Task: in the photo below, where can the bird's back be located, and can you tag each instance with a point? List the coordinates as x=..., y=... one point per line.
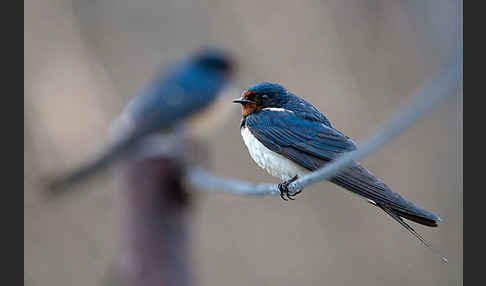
x=181, y=90
x=304, y=109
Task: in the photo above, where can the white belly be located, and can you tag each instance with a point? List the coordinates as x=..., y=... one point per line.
x=275, y=164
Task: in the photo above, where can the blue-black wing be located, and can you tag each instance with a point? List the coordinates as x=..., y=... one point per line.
x=312, y=144
x=305, y=110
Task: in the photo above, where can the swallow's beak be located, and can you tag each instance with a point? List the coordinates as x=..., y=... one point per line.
x=243, y=100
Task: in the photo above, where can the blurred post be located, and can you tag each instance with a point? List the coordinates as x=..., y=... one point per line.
x=153, y=248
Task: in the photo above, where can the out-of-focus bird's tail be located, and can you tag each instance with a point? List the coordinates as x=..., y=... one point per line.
x=61, y=183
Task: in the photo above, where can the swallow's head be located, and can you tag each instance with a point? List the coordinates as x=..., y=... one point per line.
x=214, y=61
x=262, y=95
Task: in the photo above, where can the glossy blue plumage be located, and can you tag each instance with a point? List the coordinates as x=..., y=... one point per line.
x=286, y=129
x=293, y=128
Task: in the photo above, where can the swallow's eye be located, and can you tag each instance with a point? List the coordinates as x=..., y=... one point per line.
x=265, y=96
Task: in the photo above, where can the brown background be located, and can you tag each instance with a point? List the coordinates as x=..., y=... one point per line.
x=356, y=61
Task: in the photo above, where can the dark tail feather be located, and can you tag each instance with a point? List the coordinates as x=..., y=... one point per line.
x=417, y=219
x=359, y=180
x=396, y=216
x=60, y=184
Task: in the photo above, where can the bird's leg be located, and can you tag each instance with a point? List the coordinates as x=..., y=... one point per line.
x=296, y=193
x=283, y=188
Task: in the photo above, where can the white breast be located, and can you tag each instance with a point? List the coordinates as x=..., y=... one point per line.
x=275, y=164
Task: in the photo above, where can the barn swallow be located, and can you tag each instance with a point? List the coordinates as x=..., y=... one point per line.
x=182, y=89
x=288, y=137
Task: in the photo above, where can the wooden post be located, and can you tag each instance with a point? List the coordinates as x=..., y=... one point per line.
x=153, y=248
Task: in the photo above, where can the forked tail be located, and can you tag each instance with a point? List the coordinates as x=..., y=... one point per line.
x=396, y=216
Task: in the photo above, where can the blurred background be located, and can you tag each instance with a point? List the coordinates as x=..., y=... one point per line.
x=356, y=61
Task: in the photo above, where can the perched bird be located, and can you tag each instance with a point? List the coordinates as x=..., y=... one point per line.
x=288, y=137
x=182, y=89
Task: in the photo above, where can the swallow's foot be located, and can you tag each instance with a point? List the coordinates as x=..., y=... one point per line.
x=284, y=189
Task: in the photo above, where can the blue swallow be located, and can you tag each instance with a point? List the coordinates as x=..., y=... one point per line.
x=184, y=88
x=288, y=137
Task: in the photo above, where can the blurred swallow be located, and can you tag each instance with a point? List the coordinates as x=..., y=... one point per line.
x=288, y=137
x=182, y=89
